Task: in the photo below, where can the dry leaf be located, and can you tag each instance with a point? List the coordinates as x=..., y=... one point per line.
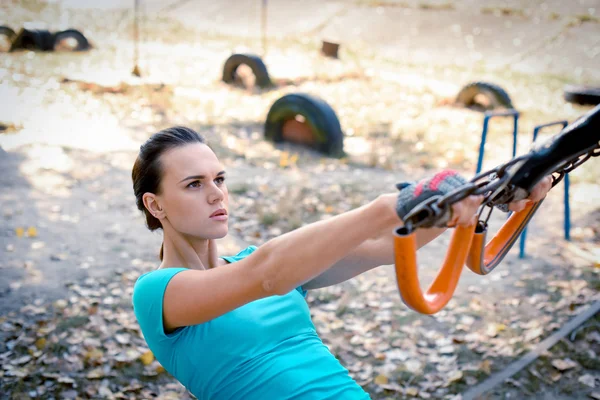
x=454, y=377
x=486, y=366
x=563, y=365
x=412, y=391
x=31, y=231
x=555, y=376
x=40, y=343
x=381, y=380
x=587, y=380
x=19, y=231
x=147, y=358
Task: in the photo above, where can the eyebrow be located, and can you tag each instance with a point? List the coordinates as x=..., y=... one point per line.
x=200, y=177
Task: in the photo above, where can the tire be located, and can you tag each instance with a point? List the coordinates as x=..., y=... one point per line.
x=254, y=62
x=33, y=39
x=82, y=42
x=319, y=117
x=584, y=95
x=495, y=95
x=8, y=32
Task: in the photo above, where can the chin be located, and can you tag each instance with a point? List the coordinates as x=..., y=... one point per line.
x=219, y=234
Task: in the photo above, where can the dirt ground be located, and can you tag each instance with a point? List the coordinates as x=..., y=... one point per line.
x=72, y=242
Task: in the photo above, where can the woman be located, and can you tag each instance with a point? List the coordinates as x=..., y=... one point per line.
x=239, y=327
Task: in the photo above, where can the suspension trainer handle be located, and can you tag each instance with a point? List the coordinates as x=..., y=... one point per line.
x=512, y=181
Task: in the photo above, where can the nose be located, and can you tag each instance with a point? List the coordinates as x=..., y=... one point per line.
x=215, y=195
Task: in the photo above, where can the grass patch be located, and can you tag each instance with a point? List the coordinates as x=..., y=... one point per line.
x=438, y=6
x=503, y=11
x=580, y=19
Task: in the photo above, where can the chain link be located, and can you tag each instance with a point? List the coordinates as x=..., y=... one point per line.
x=493, y=184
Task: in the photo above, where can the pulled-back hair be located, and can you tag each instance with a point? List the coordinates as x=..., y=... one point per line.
x=147, y=170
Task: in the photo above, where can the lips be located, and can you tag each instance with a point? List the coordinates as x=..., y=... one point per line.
x=219, y=213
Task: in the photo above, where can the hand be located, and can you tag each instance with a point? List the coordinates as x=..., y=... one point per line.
x=538, y=192
x=463, y=213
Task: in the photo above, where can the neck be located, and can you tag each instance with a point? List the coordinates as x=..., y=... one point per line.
x=206, y=251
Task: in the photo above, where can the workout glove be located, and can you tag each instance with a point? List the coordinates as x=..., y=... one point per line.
x=414, y=193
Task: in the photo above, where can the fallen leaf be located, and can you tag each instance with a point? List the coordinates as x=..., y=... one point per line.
x=40, y=343
x=31, y=231
x=587, y=380
x=96, y=373
x=454, y=377
x=412, y=391
x=555, y=376
x=381, y=380
x=486, y=366
x=19, y=231
x=147, y=358
x=563, y=365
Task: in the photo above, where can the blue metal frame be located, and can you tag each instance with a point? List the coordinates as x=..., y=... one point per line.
x=489, y=115
x=515, y=114
x=567, y=219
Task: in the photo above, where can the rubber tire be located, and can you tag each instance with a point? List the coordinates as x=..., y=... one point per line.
x=497, y=96
x=82, y=42
x=41, y=39
x=254, y=62
x=5, y=30
x=319, y=116
x=584, y=95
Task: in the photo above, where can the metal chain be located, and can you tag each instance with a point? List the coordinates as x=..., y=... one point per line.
x=491, y=184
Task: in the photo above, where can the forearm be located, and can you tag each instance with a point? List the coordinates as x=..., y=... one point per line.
x=368, y=255
x=381, y=250
x=294, y=258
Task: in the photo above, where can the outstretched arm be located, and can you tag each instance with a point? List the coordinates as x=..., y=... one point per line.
x=378, y=251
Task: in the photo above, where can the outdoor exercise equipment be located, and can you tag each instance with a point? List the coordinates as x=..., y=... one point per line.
x=255, y=63
x=44, y=40
x=580, y=94
x=515, y=115
x=512, y=181
x=8, y=32
x=305, y=119
x=484, y=94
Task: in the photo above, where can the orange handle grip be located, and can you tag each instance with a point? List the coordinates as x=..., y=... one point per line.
x=441, y=290
x=483, y=258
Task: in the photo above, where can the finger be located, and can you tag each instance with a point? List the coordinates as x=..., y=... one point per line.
x=517, y=206
x=465, y=211
x=540, y=190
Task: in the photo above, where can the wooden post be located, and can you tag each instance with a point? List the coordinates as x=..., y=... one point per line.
x=136, y=38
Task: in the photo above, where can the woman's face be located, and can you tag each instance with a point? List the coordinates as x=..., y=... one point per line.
x=193, y=191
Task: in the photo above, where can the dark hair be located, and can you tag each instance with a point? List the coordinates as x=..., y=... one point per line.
x=147, y=172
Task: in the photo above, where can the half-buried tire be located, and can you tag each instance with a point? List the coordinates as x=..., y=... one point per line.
x=584, y=95
x=6, y=37
x=305, y=119
x=484, y=95
x=71, y=39
x=33, y=39
x=259, y=69
x=8, y=32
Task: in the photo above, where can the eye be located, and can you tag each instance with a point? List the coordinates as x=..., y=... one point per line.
x=220, y=180
x=194, y=184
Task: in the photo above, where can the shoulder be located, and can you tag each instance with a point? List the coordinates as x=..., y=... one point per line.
x=152, y=285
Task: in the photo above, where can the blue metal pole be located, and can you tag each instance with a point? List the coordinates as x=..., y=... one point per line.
x=567, y=210
x=482, y=144
x=567, y=221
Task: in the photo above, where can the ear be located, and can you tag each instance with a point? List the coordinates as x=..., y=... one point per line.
x=151, y=202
